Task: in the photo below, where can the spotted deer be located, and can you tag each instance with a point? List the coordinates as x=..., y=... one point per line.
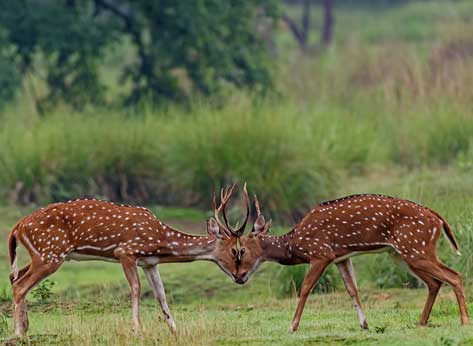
x=334, y=231
x=132, y=236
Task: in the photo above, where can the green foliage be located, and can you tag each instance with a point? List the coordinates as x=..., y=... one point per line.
x=63, y=41
x=9, y=81
x=167, y=159
x=387, y=272
x=10, y=78
x=42, y=293
x=3, y=325
x=292, y=156
x=288, y=280
x=253, y=144
x=177, y=49
x=5, y=293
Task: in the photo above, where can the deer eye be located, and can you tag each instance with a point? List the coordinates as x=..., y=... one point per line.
x=234, y=252
x=242, y=251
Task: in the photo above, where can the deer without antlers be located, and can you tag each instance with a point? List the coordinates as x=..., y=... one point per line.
x=133, y=236
x=334, y=231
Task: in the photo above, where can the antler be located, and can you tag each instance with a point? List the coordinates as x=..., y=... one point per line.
x=258, y=210
x=239, y=232
x=224, y=198
x=265, y=227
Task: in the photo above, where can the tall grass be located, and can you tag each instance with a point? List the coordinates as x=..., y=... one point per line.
x=292, y=155
x=165, y=158
x=367, y=102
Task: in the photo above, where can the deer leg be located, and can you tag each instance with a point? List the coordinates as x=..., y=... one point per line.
x=21, y=272
x=313, y=275
x=348, y=274
x=453, y=278
x=131, y=273
x=441, y=272
x=154, y=280
x=433, y=285
x=35, y=272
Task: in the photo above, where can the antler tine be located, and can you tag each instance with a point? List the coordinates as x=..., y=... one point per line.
x=241, y=229
x=258, y=210
x=226, y=197
x=228, y=193
x=216, y=212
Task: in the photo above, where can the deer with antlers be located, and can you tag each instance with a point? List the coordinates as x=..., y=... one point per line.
x=334, y=231
x=132, y=236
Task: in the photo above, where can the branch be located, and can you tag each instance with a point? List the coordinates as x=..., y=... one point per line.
x=295, y=30
x=125, y=16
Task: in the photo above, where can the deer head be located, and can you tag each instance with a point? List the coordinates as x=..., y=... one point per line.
x=251, y=247
x=226, y=253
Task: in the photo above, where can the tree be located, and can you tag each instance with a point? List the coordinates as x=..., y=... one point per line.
x=178, y=48
x=301, y=33
x=329, y=20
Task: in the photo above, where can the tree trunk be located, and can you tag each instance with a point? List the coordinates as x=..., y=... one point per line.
x=305, y=23
x=329, y=21
x=301, y=33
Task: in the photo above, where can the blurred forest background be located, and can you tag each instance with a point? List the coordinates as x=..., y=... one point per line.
x=162, y=102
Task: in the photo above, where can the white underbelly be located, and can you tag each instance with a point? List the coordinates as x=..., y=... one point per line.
x=356, y=253
x=75, y=256
x=148, y=261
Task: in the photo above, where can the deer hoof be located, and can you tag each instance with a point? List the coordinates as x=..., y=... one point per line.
x=172, y=327
x=292, y=329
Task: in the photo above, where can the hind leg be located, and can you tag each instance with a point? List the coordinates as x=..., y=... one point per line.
x=440, y=272
x=36, y=272
x=433, y=285
x=21, y=272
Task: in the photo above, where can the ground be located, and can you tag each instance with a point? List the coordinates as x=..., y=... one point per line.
x=90, y=303
x=210, y=310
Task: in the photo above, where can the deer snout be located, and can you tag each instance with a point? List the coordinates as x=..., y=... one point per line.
x=241, y=278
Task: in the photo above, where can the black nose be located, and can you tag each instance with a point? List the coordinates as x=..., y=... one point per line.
x=238, y=279
x=243, y=274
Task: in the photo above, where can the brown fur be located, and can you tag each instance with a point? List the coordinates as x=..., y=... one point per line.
x=335, y=230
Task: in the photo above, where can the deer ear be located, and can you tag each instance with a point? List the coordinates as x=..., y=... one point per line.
x=213, y=229
x=266, y=227
x=259, y=224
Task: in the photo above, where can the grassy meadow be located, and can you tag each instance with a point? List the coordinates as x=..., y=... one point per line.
x=90, y=303
x=386, y=109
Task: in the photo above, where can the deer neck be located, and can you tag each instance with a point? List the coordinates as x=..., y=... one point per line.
x=277, y=249
x=183, y=247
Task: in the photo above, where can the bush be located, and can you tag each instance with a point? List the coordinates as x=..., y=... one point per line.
x=42, y=292
x=288, y=280
x=268, y=147
x=291, y=155
x=168, y=158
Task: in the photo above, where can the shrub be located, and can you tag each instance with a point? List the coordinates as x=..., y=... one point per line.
x=42, y=292
x=288, y=280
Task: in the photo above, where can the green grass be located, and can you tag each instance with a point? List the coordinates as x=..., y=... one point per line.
x=386, y=109
x=90, y=305
x=328, y=320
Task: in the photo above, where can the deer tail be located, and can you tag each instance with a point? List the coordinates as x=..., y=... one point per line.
x=447, y=230
x=12, y=244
